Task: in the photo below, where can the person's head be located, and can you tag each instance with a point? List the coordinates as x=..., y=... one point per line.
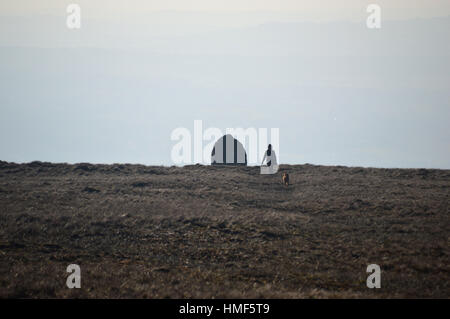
x=269, y=149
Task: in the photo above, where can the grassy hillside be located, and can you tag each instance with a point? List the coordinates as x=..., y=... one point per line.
x=201, y=231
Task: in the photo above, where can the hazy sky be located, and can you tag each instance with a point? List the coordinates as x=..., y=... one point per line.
x=318, y=9
x=114, y=90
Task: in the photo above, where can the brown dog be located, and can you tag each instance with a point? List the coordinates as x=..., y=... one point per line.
x=285, y=179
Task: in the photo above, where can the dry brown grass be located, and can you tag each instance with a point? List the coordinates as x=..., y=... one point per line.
x=201, y=231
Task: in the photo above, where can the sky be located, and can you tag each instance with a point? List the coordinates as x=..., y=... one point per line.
x=114, y=90
x=319, y=9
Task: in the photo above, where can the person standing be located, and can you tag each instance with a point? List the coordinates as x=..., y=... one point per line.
x=271, y=160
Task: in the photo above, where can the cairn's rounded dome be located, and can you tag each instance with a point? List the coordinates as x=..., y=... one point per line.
x=228, y=151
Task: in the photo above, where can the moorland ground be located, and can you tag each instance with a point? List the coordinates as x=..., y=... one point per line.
x=203, y=231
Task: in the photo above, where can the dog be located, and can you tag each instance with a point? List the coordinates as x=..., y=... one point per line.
x=285, y=179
